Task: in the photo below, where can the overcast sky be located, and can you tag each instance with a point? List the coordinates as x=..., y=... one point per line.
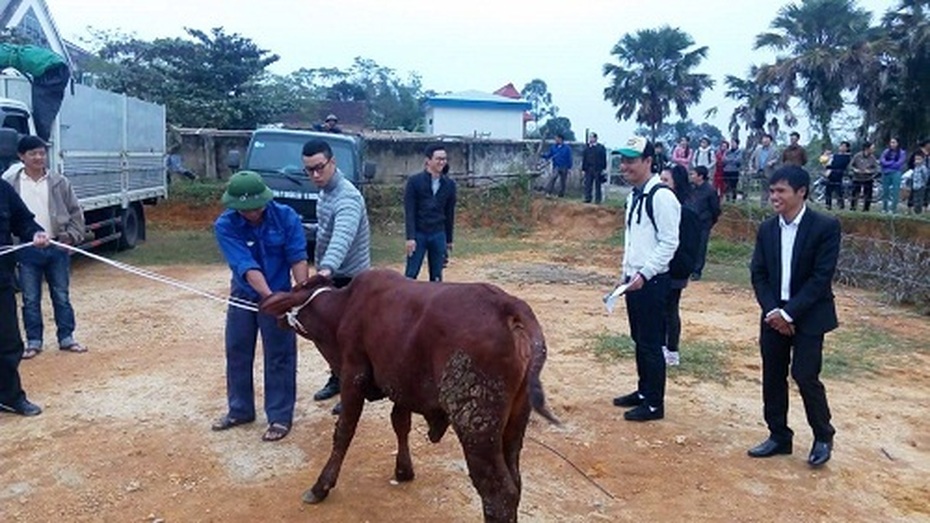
x=457, y=46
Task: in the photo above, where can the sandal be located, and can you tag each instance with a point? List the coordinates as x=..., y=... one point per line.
x=74, y=347
x=276, y=432
x=28, y=354
x=227, y=422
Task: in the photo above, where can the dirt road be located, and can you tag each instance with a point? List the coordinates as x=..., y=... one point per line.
x=125, y=434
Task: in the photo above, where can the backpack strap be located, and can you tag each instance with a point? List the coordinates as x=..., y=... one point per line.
x=650, y=211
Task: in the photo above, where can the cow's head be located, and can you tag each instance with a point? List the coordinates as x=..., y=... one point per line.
x=278, y=304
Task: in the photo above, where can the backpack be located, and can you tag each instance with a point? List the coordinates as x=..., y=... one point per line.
x=689, y=237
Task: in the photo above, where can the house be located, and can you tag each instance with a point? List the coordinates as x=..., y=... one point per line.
x=30, y=19
x=476, y=114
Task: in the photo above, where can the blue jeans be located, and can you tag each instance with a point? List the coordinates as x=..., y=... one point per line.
x=279, y=348
x=891, y=191
x=432, y=244
x=54, y=266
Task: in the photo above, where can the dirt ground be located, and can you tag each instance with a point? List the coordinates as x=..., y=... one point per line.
x=125, y=433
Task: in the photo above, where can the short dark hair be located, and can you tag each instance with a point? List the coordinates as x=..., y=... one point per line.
x=925, y=142
x=592, y=133
x=560, y=135
x=658, y=144
x=796, y=177
x=29, y=142
x=767, y=135
x=866, y=144
x=795, y=133
x=847, y=144
x=432, y=148
x=316, y=147
x=701, y=170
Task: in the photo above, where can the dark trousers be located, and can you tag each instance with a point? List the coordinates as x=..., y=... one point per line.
x=673, y=320
x=702, y=248
x=864, y=188
x=805, y=364
x=592, y=179
x=279, y=349
x=561, y=175
x=430, y=244
x=11, y=349
x=730, y=181
x=837, y=189
x=647, y=328
x=48, y=90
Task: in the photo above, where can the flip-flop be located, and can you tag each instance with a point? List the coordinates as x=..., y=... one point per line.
x=276, y=432
x=226, y=422
x=28, y=354
x=74, y=347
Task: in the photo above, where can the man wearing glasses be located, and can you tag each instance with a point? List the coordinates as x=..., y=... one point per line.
x=343, y=238
x=429, y=214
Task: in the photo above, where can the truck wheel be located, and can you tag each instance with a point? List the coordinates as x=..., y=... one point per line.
x=130, y=228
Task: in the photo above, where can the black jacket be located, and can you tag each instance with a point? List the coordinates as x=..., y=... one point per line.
x=428, y=213
x=15, y=218
x=706, y=204
x=813, y=264
x=594, y=159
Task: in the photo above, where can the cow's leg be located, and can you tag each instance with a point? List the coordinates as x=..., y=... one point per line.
x=513, y=436
x=352, y=403
x=400, y=419
x=491, y=477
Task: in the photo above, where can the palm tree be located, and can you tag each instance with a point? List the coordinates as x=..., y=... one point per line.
x=826, y=42
x=654, y=71
x=757, y=99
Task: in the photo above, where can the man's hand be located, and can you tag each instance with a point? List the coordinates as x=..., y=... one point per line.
x=410, y=246
x=326, y=273
x=636, y=283
x=40, y=239
x=775, y=320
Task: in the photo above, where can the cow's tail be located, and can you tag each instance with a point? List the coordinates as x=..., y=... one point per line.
x=532, y=335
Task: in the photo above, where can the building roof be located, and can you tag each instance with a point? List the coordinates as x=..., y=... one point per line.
x=509, y=91
x=477, y=99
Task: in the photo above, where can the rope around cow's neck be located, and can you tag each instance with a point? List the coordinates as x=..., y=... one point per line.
x=231, y=300
x=291, y=315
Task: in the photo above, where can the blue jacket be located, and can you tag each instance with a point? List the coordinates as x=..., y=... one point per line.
x=272, y=247
x=560, y=154
x=426, y=212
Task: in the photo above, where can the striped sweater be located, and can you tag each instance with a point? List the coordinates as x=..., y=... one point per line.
x=343, y=238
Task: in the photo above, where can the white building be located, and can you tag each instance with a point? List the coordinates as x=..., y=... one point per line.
x=476, y=114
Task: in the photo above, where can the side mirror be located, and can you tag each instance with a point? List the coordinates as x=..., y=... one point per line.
x=9, y=140
x=233, y=159
x=369, y=171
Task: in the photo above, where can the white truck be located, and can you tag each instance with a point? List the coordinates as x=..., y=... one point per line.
x=110, y=146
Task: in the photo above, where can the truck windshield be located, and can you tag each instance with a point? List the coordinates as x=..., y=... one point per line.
x=282, y=154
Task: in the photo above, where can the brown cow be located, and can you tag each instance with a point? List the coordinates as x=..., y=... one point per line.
x=465, y=354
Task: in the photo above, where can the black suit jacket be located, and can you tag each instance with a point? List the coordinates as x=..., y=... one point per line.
x=813, y=264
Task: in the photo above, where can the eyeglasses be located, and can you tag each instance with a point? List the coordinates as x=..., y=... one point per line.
x=317, y=168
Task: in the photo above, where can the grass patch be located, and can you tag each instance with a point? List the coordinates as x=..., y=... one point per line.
x=197, y=192
x=852, y=352
x=170, y=247
x=702, y=360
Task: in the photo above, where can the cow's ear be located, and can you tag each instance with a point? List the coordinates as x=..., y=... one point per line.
x=276, y=303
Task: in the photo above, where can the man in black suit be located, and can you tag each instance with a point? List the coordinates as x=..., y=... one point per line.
x=429, y=214
x=792, y=272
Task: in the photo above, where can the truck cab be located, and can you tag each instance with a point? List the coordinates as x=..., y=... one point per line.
x=276, y=155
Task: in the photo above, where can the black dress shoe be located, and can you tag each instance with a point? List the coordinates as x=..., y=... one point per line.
x=820, y=453
x=644, y=413
x=769, y=448
x=633, y=399
x=22, y=407
x=330, y=390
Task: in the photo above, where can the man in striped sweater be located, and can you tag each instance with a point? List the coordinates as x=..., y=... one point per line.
x=343, y=238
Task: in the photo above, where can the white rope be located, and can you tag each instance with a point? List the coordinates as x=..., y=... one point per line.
x=8, y=249
x=291, y=315
x=231, y=300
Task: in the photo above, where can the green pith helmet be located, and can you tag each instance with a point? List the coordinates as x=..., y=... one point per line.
x=246, y=192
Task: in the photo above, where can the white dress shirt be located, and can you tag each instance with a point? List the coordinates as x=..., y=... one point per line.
x=789, y=233
x=35, y=195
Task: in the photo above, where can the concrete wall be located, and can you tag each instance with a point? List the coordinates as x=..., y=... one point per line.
x=473, y=161
x=488, y=123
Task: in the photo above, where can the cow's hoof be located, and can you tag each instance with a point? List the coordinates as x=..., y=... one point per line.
x=312, y=498
x=403, y=475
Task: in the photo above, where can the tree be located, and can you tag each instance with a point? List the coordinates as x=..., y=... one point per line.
x=536, y=92
x=654, y=71
x=827, y=45
x=669, y=133
x=557, y=125
x=210, y=79
x=757, y=99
